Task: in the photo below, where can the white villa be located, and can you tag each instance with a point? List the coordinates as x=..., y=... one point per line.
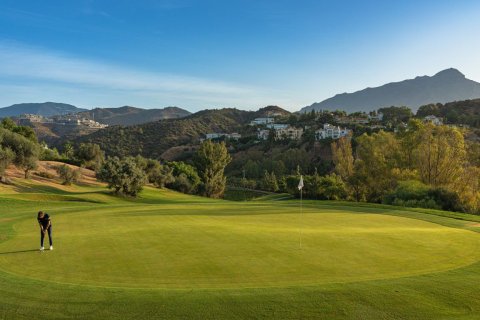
x=376, y=116
x=277, y=126
x=289, y=133
x=233, y=136
x=263, y=134
x=214, y=135
x=433, y=119
x=332, y=132
x=260, y=121
x=283, y=132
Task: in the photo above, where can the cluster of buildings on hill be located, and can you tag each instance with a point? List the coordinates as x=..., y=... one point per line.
x=361, y=119
x=66, y=120
x=267, y=126
x=327, y=132
x=284, y=131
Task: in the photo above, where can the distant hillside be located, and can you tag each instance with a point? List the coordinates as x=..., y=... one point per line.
x=46, y=109
x=271, y=111
x=458, y=112
x=153, y=138
x=51, y=133
x=131, y=116
x=446, y=86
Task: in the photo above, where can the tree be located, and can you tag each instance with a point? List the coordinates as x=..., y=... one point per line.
x=68, y=175
x=153, y=169
x=29, y=164
x=410, y=140
x=356, y=182
x=68, y=150
x=183, y=184
x=349, y=169
x=331, y=187
x=380, y=154
x=26, y=151
x=429, y=109
x=48, y=154
x=90, y=155
x=252, y=169
x=343, y=157
x=8, y=124
x=295, y=159
x=440, y=156
x=160, y=176
x=24, y=131
x=270, y=182
x=468, y=189
x=211, y=160
x=27, y=132
x=182, y=169
x=6, y=158
x=395, y=115
x=124, y=176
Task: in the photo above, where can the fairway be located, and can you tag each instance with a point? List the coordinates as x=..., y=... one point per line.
x=167, y=242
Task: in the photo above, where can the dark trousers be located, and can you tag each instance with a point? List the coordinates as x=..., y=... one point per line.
x=42, y=236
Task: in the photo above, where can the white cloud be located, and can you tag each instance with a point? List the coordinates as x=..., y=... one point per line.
x=31, y=67
x=35, y=64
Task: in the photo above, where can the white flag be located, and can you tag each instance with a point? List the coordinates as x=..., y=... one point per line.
x=300, y=184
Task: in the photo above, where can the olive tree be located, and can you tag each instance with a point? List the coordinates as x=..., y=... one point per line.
x=26, y=151
x=68, y=175
x=90, y=155
x=123, y=176
x=6, y=158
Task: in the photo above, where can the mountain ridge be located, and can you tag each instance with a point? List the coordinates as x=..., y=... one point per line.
x=128, y=115
x=46, y=109
x=445, y=86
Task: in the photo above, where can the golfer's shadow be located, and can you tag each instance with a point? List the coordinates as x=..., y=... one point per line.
x=19, y=251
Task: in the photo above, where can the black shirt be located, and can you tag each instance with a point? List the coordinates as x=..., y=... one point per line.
x=44, y=221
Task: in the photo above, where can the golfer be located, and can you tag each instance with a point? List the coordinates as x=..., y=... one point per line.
x=45, y=226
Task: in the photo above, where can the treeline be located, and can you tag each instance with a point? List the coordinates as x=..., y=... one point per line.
x=317, y=187
x=458, y=112
x=423, y=165
x=129, y=175
x=420, y=166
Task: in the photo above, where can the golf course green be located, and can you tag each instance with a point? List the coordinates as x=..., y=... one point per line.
x=169, y=255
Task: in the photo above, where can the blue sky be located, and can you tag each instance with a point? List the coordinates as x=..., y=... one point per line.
x=213, y=54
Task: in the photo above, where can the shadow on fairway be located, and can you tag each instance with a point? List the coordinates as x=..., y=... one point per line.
x=20, y=251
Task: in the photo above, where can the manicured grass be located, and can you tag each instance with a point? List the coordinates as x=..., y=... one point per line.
x=168, y=255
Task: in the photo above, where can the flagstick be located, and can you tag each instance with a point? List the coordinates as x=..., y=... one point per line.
x=301, y=216
x=300, y=188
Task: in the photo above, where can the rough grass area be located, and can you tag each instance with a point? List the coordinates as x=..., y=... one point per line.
x=169, y=255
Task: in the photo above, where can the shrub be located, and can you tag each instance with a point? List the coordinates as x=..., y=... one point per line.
x=407, y=190
x=50, y=154
x=90, y=155
x=446, y=199
x=68, y=175
x=44, y=174
x=160, y=176
x=182, y=184
x=415, y=194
